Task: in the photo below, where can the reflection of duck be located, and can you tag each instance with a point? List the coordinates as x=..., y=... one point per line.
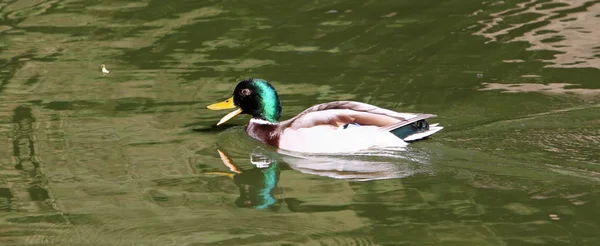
x=341, y=126
x=356, y=168
x=255, y=185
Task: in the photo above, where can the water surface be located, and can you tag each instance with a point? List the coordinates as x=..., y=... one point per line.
x=131, y=158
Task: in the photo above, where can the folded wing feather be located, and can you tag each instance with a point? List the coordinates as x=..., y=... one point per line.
x=338, y=113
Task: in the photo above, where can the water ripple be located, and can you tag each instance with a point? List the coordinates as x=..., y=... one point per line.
x=568, y=28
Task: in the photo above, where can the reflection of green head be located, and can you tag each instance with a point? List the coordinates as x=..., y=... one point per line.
x=256, y=186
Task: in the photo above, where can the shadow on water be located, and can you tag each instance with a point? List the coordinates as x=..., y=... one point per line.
x=31, y=188
x=211, y=128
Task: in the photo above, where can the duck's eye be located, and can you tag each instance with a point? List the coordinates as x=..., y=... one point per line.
x=246, y=92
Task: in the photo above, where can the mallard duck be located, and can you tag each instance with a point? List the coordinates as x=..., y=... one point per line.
x=333, y=127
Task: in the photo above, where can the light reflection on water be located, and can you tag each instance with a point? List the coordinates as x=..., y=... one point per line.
x=558, y=26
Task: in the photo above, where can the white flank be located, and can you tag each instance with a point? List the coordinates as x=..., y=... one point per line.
x=324, y=139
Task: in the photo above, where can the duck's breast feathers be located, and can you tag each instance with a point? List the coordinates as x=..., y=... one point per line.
x=339, y=113
x=266, y=132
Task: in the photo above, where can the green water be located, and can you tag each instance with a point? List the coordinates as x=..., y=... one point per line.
x=131, y=158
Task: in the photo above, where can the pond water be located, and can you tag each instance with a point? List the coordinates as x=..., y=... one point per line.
x=134, y=158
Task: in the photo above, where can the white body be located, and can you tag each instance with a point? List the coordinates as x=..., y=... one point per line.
x=322, y=139
x=339, y=127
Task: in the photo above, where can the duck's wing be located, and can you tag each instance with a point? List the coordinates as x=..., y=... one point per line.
x=338, y=113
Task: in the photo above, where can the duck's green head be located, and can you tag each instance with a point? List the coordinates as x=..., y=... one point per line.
x=255, y=97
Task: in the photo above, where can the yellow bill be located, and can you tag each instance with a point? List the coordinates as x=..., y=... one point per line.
x=227, y=104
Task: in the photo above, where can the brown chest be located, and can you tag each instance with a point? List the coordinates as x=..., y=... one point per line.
x=266, y=133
